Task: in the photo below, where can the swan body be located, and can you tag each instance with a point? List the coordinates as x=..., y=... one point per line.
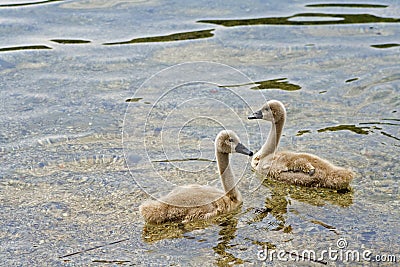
x=196, y=202
x=290, y=167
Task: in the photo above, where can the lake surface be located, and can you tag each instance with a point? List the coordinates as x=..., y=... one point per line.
x=104, y=103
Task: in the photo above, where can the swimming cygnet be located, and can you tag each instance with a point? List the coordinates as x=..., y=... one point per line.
x=290, y=167
x=195, y=202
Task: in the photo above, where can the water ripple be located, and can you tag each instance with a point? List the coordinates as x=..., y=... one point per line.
x=313, y=19
x=169, y=38
x=29, y=3
x=27, y=47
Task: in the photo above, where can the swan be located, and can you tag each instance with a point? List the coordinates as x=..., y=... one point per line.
x=290, y=167
x=196, y=202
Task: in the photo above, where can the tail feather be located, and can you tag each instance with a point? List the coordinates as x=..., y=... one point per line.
x=153, y=211
x=158, y=212
x=340, y=179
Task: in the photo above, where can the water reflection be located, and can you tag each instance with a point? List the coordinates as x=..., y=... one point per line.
x=273, y=214
x=27, y=47
x=351, y=80
x=389, y=135
x=118, y=262
x=156, y=232
x=383, y=46
x=301, y=132
x=227, y=234
x=70, y=41
x=135, y=99
x=169, y=38
x=228, y=226
x=279, y=83
x=29, y=3
x=327, y=226
x=184, y=159
x=384, y=123
x=304, y=19
x=352, y=128
x=364, y=130
x=347, y=5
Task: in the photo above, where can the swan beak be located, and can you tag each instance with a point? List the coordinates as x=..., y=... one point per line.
x=243, y=150
x=256, y=115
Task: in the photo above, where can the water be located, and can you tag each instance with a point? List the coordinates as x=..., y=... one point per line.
x=106, y=101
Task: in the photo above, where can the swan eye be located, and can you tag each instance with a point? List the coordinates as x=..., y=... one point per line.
x=230, y=140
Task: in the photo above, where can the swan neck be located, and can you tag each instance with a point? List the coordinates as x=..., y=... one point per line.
x=273, y=139
x=227, y=177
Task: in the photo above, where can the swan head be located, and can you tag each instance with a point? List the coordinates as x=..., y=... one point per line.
x=273, y=111
x=228, y=142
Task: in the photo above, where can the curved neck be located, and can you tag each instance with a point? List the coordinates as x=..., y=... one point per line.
x=227, y=178
x=273, y=139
